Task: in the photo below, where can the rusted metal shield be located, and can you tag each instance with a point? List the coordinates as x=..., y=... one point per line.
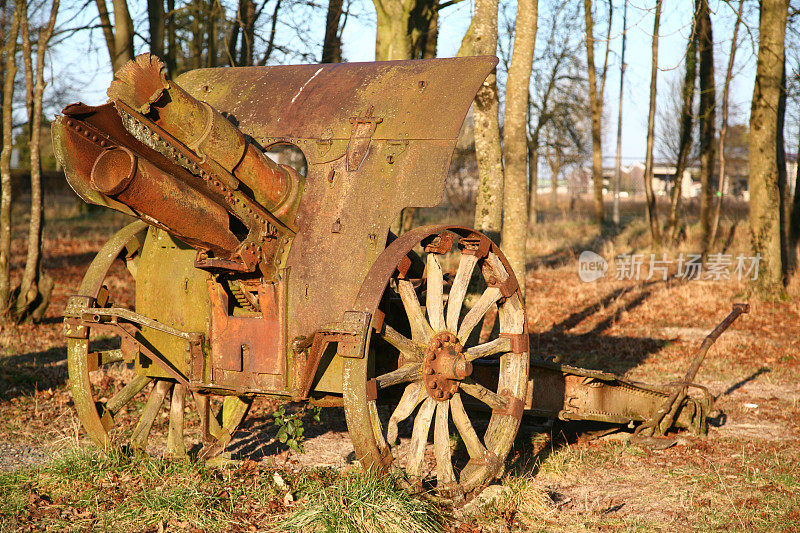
x=415, y=99
x=377, y=137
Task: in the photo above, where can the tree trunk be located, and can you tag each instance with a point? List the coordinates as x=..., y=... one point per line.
x=272, y=31
x=123, y=34
x=155, y=17
x=332, y=45
x=108, y=30
x=723, y=129
x=9, y=73
x=234, y=36
x=172, y=44
x=652, y=208
x=197, y=35
x=27, y=61
x=708, y=103
x=780, y=156
x=618, y=163
x=765, y=228
x=794, y=219
x=554, y=161
x=515, y=197
x=424, y=29
x=596, y=110
x=685, y=136
x=481, y=39
x=215, y=12
x=249, y=34
x=35, y=286
x=393, y=38
x=533, y=171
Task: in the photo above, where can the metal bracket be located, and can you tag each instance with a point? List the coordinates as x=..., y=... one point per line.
x=519, y=342
x=360, y=139
x=350, y=334
x=476, y=244
x=514, y=405
x=355, y=324
x=439, y=244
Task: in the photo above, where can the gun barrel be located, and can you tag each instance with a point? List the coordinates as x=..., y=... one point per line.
x=160, y=198
x=142, y=86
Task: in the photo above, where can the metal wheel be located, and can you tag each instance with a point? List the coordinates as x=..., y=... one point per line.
x=107, y=411
x=448, y=351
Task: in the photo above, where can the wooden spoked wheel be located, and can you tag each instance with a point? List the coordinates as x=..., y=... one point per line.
x=448, y=351
x=106, y=411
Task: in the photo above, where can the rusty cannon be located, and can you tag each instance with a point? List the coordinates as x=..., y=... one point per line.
x=251, y=278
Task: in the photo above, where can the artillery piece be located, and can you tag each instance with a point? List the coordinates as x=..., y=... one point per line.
x=251, y=279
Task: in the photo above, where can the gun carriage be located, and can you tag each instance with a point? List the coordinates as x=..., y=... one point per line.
x=252, y=279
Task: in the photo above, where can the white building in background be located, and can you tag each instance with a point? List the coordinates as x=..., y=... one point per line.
x=632, y=181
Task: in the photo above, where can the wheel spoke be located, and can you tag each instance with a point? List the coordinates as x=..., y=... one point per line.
x=459, y=289
x=471, y=440
x=234, y=409
x=406, y=346
x=149, y=413
x=419, y=438
x=433, y=298
x=476, y=390
x=405, y=373
x=412, y=397
x=103, y=357
x=494, y=347
x=420, y=330
x=375, y=423
x=441, y=446
x=126, y=394
x=484, y=303
x=176, y=448
x=209, y=425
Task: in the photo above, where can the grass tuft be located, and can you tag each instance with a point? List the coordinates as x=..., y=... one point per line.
x=357, y=502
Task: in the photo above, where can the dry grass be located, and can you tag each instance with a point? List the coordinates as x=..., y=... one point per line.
x=744, y=476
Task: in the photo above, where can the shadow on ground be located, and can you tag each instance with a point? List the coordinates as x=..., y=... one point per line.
x=592, y=349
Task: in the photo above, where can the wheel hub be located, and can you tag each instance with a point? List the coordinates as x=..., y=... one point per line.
x=444, y=366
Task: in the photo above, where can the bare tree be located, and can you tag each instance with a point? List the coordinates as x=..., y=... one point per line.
x=424, y=28
x=708, y=104
x=155, y=18
x=558, y=96
x=332, y=44
x=119, y=36
x=9, y=73
x=765, y=227
x=481, y=39
x=515, y=197
x=685, y=134
x=618, y=162
x=794, y=218
x=596, y=107
x=407, y=29
x=35, y=287
x=780, y=157
x=172, y=39
x=652, y=212
x=723, y=129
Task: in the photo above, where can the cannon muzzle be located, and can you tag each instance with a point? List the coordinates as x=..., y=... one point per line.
x=158, y=153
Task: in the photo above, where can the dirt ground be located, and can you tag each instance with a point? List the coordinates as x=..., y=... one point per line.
x=744, y=475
